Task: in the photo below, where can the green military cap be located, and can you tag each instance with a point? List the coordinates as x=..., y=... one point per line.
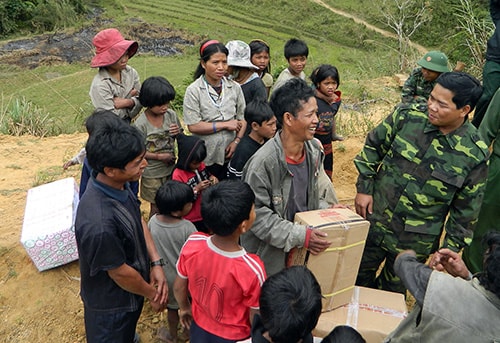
x=435, y=61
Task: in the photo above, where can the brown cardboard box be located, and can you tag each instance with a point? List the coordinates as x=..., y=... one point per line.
x=337, y=267
x=374, y=313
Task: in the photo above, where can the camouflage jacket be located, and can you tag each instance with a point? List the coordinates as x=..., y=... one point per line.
x=418, y=177
x=416, y=88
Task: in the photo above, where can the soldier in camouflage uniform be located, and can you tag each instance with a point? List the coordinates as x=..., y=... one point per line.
x=418, y=168
x=419, y=85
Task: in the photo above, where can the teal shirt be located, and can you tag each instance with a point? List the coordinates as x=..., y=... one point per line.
x=418, y=176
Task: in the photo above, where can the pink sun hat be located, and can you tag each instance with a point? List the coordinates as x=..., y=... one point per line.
x=110, y=46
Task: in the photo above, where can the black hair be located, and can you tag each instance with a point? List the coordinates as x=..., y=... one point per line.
x=466, y=89
x=290, y=304
x=289, y=98
x=256, y=47
x=225, y=205
x=156, y=91
x=173, y=196
x=343, y=334
x=296, y=47
x=114, y=146
x=206, y=51
x=258, y=111
x=323, y=72
x=490, y=276
x=100, y=118
x=191, y=149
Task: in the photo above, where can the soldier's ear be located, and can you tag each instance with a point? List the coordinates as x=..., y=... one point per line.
x=465, y=110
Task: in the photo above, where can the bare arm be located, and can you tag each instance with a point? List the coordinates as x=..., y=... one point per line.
x=181, y=295
x=207, y=128
x=158, y=278
x=130, y=280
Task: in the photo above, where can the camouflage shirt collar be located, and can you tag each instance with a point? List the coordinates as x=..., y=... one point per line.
x=453, y=138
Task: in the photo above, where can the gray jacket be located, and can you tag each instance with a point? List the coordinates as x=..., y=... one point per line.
x=454, y=310
x=271, y=235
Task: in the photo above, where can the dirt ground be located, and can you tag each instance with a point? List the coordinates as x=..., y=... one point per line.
x=45, y=306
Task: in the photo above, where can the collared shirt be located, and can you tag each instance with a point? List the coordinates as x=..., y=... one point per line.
x=105, y=88
x=418, y=176
x=109, y=233
x=203, y=104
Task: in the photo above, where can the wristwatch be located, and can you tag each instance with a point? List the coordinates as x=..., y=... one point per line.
x=159, y=262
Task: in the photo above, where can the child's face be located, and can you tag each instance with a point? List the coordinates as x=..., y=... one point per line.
x=267, y=129
x=296, y=64
x=328, y=86
x=121, y=64
x=261, y=60
x=194, y=165
x=160, y=109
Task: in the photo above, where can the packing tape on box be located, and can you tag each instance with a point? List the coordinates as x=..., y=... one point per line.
x=346, y=246
x=354, y=306
x=338, y=292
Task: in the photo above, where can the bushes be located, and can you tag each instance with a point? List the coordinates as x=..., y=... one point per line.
x=36, y=16
x=21, y=117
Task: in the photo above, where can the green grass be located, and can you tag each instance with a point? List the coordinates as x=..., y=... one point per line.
x=62, y=90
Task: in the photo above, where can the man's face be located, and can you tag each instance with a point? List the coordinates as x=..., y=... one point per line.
x=303, y=126
x=133, y=170
x=443, y=112
x=429, y=75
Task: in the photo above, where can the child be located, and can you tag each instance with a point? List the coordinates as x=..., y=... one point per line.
x=223, y=280
x=326, y=80
x=160, y=126
x=296, y=53
x=174, y=200
x=98, y=119
x=114, y=244
x=191, y=169
x=262, y=124
x=259, y=55
x=116, y=85
x=290, y=306
x=344, y=334
x=242, y=71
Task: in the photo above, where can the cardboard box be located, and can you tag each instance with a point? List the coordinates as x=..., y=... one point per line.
x=337, y=267
x=374, y=313
x=48, y=232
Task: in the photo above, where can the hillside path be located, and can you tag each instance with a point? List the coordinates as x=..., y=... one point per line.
x=369, y=26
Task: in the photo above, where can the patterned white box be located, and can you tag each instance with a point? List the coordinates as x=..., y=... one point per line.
x=48, y=232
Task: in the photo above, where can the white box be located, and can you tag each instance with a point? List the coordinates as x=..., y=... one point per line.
x=48, y=232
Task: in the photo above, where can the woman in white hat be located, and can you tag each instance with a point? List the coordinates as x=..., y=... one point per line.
x=244, y=72
x=116, y=85
x=214, y=106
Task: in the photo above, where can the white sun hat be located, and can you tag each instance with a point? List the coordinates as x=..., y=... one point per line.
x=239, y=55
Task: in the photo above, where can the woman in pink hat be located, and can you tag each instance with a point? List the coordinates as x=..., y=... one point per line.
x=213, y=108
x=116, y=85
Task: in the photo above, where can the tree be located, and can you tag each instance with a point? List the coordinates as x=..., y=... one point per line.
x=405, y=17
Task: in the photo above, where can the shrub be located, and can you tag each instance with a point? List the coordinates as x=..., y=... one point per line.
x=21, y=117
